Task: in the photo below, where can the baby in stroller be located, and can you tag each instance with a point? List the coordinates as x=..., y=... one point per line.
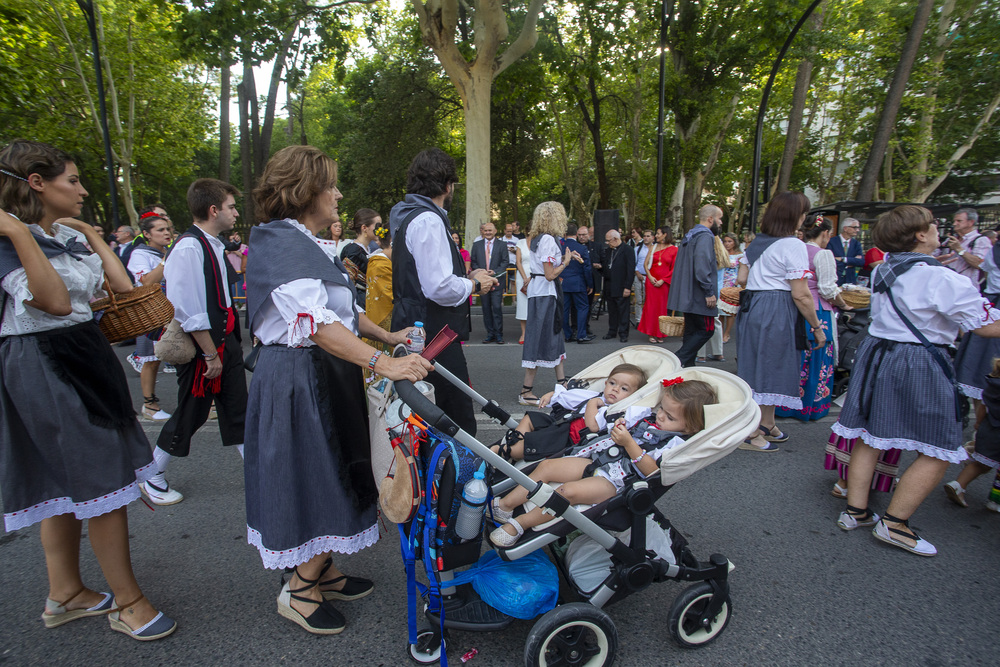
x=576, y=412
x=597, y=471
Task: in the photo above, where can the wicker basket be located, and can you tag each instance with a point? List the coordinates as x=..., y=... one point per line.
x=130, y=314
x=730, y=295
x=671, y=325
x=857, y=298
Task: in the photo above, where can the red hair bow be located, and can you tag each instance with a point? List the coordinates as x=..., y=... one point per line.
x=671, y=382
x=149, y=214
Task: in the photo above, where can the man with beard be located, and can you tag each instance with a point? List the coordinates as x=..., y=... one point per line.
x=428, y=274
x=693, y=290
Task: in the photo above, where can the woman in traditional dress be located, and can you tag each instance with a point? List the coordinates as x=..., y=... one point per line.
x=544, y=345
x=726, y=311
x=816, y=374
x=356, y=253
x=902, y=392
x=71, y=447
x=774, y=269
x=309, y=486
x=146, y=266
x=659, y=271
x=378, y=302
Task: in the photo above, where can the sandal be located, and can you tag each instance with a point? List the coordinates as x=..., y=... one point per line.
x=502, y=538
x=653, y=339
x=325, y=620
x=855, y=517
x=159, y=627
x=56, y=614
x=839, y=491
x=781, y=437
x=747, y=445
x=884, y=533
x=149, y=413
x=526, y=397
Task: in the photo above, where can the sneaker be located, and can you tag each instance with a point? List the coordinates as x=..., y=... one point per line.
x=921, y=548
x=956, y=493
x=134, y=362
x=161, y=496
x=847, y=521
x=993, y=506
x=168, y=368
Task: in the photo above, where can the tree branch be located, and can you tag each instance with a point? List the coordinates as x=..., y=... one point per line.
x=525, y=39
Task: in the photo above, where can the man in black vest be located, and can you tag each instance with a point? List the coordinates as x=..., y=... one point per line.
x=198, y=279
x=619, y=272
x=428, y=274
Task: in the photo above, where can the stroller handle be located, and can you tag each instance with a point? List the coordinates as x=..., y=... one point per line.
x=420, y=404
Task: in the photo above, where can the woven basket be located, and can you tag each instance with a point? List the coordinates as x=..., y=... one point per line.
x=857, y=298
x=671, y=325
x=730, y=295
x=130, y=314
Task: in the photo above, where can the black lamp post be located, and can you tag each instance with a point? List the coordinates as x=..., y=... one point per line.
x=87, y=6
x=666, y=12
x=759, y=137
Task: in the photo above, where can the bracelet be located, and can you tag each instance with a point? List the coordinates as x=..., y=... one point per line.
x=373, y=360
x=636, y=460
x=210, y=358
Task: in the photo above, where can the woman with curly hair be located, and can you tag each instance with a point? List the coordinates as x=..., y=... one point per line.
x=544, y=345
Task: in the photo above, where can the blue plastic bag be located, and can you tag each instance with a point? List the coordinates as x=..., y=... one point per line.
x=524, y=588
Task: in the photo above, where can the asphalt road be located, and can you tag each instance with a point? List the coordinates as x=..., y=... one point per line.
x=804, y=592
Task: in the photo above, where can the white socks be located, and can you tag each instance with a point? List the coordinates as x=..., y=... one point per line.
x=239, y=448
x=162, y=460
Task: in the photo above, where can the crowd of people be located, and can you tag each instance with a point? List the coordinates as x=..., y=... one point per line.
x=324, y=310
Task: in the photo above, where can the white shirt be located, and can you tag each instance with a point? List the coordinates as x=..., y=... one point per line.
x=184, y=274
x=640, y=259
x=992, y=272
x=784, y=260
x=296, y=309
x=430, y=245
x=936, y=300
x=83, y=279
x=143, y=261
x=547, y=253
x=826, y=273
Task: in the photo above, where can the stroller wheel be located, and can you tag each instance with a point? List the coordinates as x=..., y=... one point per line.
x=427, y=650
x=572, y=634
x=688, y=624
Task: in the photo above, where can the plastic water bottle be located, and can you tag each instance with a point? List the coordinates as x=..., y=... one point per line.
x=416, y=344
x=470, y=514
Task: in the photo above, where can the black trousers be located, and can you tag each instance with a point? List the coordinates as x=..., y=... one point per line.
x=698, y=329
x=192, y=411
x=448, y=397
x=618, y=322
x=493, y=313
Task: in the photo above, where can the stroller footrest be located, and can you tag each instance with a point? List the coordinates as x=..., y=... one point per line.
x=472, y=614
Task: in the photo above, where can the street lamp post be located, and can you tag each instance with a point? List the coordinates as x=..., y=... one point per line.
x=89, y=12
x=666, y=12
x=759, y=137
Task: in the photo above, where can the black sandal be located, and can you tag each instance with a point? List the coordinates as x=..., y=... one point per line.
x=325, y=620
x=523, y=399
x=884, y=533
x=353, y=588
x=505, y=444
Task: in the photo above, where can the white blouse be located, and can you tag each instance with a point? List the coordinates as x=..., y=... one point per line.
x=826, y=274
x=143, y=261
x=84, y=279
x=184, y=274
x=936, y=300
x=430, y=244
x=784, y=260
x=548, y=253
x=295, y=310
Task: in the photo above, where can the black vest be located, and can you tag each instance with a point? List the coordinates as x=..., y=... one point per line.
x=215, y=290
x=409, y=304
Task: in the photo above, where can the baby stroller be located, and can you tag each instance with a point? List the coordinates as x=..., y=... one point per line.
x=852, y=328
x=576, y=632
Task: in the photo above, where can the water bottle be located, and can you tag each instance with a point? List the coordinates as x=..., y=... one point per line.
x=416, y=344
x=470, y=515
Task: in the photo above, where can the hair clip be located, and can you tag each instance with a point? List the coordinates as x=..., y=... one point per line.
x=149, y=214
x=671, y=382
x=20, y=178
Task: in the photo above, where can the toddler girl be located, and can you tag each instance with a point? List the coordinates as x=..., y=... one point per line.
x=593, y=476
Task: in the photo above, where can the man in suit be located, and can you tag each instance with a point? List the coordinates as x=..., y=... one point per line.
x=847, y=251
x=490, y=253
x=577, y=283
x=583, y=236
x=619, y=272
x=694, y=289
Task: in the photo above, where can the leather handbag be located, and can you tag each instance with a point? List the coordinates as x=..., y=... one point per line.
x=175, y=345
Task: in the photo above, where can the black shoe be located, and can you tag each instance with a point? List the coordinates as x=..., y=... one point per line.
x=488, y=340
x=571, y=339
x=586, y=339
x=623, y=339
x=608, y=336
x=499, y=341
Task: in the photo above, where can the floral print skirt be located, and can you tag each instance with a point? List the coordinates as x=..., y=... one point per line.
x=815, y=376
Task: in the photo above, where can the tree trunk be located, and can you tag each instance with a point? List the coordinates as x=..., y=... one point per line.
x=246, y=150
x=264, y=143
x=594, y=126
x=869, y=175
x=477, y=151
x=803, y=78
x=225, y=140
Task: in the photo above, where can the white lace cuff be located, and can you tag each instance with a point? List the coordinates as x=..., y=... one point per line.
x=988, y=315
x=306, y=324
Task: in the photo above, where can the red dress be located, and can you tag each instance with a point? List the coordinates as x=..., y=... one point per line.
x=661, y=268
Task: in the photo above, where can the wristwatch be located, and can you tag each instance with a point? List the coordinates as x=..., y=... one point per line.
x=477, y=286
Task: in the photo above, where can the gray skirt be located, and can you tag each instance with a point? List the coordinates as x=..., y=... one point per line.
x=53, y=459
x=973, y=362
x=309, y=485
x=899, y=398
x=765, y=344
x=543, y=346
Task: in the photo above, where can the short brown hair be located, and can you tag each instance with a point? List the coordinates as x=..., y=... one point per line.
x=693, y=396
x=896, y=230
x=781, y=218
x=292, y=179
x=631, y=369
x=23, y=158
x=205, y=193
x=363, y=217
